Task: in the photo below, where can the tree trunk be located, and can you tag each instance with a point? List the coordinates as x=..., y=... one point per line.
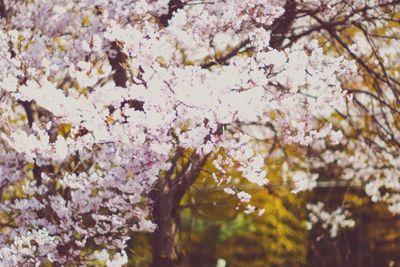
x=167, y=195
x=166, y=251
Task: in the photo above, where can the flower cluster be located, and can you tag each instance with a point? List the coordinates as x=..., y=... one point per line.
x=331, y=221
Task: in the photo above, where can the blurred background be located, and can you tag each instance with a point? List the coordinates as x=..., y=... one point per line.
x=214, y=233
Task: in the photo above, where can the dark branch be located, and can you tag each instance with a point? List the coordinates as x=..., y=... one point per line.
x=173, y=6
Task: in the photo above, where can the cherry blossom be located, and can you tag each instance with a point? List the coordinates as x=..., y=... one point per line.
x=100, y=100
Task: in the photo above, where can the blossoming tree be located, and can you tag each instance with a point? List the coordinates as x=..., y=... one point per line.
x=110, y=110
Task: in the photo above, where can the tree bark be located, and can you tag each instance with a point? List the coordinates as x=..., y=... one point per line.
x=166, y=196
x=281, y=25
x=3, y=9
x=166, y=252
